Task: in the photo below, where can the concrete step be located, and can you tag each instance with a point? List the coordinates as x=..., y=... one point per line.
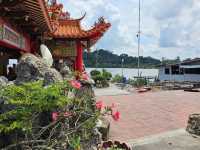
x=173, y=140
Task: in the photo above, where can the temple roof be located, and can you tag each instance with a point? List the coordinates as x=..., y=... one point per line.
x=66, y=27
x=38, y=10
x=30, y=15
x=37, y=16
x=72, y=29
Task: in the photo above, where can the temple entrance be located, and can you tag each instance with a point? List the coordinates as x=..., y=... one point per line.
x=61, y=62
x=64, y=53
x=8, y=61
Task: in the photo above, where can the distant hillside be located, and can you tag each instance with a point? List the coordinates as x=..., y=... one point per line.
x=106, y=59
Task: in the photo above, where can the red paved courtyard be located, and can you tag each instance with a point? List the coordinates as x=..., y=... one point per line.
x=151, y=113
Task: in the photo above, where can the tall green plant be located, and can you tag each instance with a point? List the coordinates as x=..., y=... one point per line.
x=27, y=103
x=107, y=75
x=95, y=73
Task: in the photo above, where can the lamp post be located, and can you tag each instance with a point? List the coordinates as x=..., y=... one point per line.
x=138, y=36
x=122, y=67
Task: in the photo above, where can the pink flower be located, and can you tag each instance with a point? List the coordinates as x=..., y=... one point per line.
x=116, y=115
x=75, y=84
x=54, y=116
x=67, y=114
x=85, y=76
x=99, y=105
x=113, y=105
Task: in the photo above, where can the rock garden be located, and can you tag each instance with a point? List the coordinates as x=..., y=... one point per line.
x=47, y=109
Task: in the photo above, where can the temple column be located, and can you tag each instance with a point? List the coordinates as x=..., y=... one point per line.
x=4, y=60
x=79, y=57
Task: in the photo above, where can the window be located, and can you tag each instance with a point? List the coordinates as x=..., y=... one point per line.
x=175, y=69
x=166, y=70
x=181, y=71
x=192, y=70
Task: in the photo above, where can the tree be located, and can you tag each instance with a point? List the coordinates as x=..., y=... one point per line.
x=106, y=59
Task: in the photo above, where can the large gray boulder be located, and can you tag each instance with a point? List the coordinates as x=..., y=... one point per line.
x=3, y=81
x=32, y=68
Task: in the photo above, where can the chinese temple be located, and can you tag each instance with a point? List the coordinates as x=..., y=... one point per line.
x=24, y=24
x=68, y=39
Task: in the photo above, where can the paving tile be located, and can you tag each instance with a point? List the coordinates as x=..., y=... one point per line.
x=151, y=113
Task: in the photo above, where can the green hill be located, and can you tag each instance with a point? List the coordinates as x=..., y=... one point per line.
x=106, y=59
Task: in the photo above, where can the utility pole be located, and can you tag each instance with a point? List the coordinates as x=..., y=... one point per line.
x=138, y=36
x=97, y=58
x=122, y=67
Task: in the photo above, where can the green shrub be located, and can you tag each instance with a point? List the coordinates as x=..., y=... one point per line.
x=29, y=118
x=138, y=82
x=107, y=75
x=117, y=79
x=101, y=79
x=95, y=73
x=29, y=99
x=131, y=82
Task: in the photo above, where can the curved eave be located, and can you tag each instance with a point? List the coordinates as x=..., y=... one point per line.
x=99, y=29
x=97, y=32
x=45, y=13
x=39, y=12
x=71, y=29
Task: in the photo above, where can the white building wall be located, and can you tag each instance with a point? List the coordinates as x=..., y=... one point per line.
x=178, y=78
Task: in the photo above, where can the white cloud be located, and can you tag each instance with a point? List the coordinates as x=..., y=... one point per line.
x=169, y=27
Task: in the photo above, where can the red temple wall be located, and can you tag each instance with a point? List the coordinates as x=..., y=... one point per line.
x=27, y=39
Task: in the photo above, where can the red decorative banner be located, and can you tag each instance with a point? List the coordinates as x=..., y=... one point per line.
x=10, y=36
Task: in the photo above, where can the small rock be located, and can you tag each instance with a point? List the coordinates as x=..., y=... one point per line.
x=52, y=76
x=89, y=81
x=65, y=71
x=193, y=126
x=169, y=143
x=104, y=128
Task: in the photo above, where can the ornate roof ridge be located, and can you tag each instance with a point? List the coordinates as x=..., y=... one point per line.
x=72, y=19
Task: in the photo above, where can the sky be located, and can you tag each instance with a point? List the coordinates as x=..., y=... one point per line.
x=169, y=28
